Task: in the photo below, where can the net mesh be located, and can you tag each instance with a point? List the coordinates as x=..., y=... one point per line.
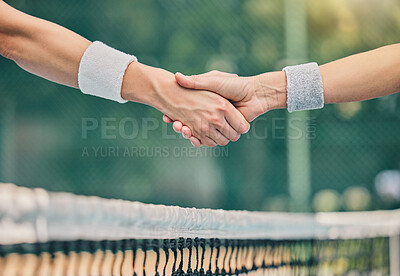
x=34, y=243
x=198, y=257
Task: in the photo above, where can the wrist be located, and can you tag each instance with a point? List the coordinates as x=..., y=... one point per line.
x=138, y=85
x=272, y=88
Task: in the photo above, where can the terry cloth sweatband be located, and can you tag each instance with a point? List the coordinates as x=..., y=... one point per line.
x=304, y=87
x=101, y=71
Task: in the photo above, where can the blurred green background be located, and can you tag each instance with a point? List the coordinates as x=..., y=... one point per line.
x=346, y=156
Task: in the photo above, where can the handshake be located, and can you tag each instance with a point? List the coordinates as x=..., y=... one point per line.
x=209, y=109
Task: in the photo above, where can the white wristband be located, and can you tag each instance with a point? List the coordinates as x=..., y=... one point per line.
x=101, y=71
x=304, y=87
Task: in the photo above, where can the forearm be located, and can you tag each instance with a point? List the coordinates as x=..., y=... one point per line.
x=54, y=53
x=41, y=47
x=355, y=78
x=363, y=76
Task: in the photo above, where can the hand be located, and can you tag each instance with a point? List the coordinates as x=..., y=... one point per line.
x=211, y=118
x=252, y=96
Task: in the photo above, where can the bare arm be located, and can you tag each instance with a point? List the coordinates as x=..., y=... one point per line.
x=54, y=53
x=358, y=77
x=41, y=47
x=363, y=76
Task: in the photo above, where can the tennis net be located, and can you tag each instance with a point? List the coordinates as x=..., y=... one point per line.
x=43, y=233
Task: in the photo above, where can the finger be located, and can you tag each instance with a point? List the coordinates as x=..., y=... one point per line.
x=217, y=73
x=231, y=88
x=177, y=126
x=236, y=120
x=229, y=132
x=186, y=132
x=211, y=83
x=183, y=80
x=167, y=119
x=208, y=141
x=218, y=137
x=195, y=142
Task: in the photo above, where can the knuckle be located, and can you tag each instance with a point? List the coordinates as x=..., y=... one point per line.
x=235, y=137
x=198, y=123
x=216, y=120
x=243, y=128
x=210, y=143
x=204, y=129
x=224, y=143
x=222, y=104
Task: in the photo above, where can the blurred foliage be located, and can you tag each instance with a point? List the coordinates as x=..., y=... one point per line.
x=42, y=140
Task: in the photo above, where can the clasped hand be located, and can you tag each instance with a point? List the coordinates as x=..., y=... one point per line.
x=251, y=96
x=211, y=109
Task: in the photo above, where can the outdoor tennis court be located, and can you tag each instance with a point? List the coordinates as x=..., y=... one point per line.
x=96, y=183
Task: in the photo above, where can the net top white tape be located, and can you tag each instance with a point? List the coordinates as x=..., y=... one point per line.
x=35, y=215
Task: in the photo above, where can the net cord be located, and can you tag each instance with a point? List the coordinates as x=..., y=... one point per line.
x=35, y=215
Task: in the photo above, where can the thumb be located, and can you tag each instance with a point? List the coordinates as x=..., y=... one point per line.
x=229, y=87
x=210, y=83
